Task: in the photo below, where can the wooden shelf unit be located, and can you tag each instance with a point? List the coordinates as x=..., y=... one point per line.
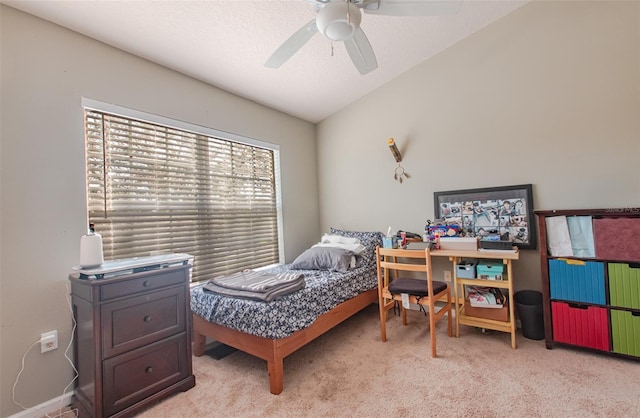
x=568, y=314
x=506, y=257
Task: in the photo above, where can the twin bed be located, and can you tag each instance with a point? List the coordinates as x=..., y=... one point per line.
x=273, y=330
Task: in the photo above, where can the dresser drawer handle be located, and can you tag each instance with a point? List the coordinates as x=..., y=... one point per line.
x=149, y=369
x=146, y=283
x=147, y=318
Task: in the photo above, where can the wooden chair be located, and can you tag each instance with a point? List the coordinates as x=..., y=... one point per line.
x=421, y=291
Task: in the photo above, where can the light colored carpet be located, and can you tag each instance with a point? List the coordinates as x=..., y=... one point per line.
x=349, y=372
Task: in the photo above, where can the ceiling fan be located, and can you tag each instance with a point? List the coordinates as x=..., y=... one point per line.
x=339, y=20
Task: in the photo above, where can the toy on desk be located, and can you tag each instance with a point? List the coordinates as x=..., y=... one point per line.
x=399, y=172
x=443, y=231
x=425, y=236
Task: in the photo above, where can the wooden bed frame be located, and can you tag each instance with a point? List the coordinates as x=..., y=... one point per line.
x=275, y=350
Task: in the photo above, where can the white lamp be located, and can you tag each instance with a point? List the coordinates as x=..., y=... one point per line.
x=338, y=20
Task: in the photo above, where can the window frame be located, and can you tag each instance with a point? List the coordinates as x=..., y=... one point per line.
x=94, y=105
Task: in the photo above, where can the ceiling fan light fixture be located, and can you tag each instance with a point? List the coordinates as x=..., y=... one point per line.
x=339, y=20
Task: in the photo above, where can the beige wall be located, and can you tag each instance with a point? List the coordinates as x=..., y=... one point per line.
x=46, y=70
x=548, y=95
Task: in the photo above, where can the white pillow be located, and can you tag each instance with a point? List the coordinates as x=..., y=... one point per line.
x=357, y=249
x=338, y=239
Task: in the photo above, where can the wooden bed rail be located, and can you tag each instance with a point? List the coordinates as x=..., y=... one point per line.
x=275, y=350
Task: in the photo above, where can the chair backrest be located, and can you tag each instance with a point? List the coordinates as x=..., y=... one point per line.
x=389, y=259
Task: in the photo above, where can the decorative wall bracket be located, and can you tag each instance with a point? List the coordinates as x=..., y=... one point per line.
x=400, y=171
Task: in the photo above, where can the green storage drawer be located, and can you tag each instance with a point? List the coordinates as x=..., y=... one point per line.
x=625, y=332
x=624, y=285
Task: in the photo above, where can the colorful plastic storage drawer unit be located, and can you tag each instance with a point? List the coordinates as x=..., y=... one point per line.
x=625, y=332
x=624, y=285
x=490, y=270
x=582, y=325
x=579, y=281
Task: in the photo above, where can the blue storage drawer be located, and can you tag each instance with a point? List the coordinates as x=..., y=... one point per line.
x=579, y=281
x=466, y=270
x=491, y=270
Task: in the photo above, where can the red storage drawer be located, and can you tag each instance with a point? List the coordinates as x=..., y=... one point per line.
x=582, y=325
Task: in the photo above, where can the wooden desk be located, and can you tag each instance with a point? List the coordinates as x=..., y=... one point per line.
x=458, y=283
x=455, y=256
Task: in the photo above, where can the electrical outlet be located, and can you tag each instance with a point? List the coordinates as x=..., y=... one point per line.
x=447, y=275
x=48, y=341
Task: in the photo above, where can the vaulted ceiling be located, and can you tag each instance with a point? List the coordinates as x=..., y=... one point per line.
x=226, y=43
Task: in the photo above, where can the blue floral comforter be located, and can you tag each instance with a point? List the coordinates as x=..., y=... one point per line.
x=324, y=290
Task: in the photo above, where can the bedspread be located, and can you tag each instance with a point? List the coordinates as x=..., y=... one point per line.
x=280, y=318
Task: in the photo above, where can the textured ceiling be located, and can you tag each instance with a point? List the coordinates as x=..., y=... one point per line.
x=226, y=42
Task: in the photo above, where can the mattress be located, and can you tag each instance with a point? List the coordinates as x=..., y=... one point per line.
x=323, y=291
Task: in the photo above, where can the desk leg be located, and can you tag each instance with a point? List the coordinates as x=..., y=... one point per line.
x=511, y=306
x=456, y=301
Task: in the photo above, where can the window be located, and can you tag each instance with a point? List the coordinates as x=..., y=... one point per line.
x=154, y=188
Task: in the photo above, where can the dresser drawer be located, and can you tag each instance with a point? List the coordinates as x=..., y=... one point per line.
x=133, y=322
x=133, y=376
x=145, y=283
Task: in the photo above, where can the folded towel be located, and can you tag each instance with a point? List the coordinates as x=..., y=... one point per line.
x=256, y=281
x=271, y=294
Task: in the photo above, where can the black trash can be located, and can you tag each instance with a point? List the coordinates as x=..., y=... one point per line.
x=529, y=309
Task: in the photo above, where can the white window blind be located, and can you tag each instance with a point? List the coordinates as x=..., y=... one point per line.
x=154, y=188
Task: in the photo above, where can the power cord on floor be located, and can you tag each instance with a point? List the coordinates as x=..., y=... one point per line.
x=59, y=412
x=66, y=355
x=13, y=390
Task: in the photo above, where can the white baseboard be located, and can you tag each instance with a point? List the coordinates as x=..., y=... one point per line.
x=50, y=407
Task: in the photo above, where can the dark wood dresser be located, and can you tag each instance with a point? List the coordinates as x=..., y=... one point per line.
x=132, y=340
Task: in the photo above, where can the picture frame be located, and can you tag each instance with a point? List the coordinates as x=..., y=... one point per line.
x=505, y=212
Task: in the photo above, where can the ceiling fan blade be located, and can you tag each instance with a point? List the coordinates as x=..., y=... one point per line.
x=412, y=7
x=361, y=53
x=292, y=45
